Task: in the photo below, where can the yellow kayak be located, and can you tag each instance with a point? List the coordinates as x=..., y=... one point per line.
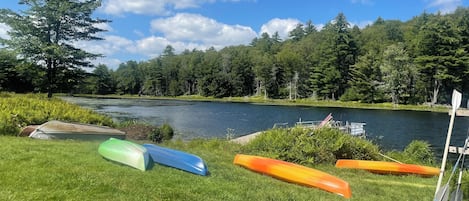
x=384, y=167
x=294, y=173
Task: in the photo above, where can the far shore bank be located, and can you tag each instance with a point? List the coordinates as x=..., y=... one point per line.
x=283, y=102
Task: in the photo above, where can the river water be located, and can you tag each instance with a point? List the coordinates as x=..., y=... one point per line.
x=192, y=119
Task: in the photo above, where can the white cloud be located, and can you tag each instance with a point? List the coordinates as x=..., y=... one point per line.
x=192, y=31
x=4, y=31
x=282, y=26
x=110, y=48
x=319, y=27
x=151, y=7
x=118, y=43
x=139, y=33
x=446, y=6
x=182, y=31
x=194, y=28
x=185, y=26
x=118, y=7
x=361, y=24
x=153, y=46
x=110, y=45
x=111, y=63
x=104, y=26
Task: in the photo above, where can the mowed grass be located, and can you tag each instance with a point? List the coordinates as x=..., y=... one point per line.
x=73, y=170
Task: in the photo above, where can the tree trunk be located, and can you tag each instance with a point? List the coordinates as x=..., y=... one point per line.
x=295, y=82
x=295, y=94
x=394, y=98
x=193, y=87
x=436, y=90
x=49, y=78
x=258, y=88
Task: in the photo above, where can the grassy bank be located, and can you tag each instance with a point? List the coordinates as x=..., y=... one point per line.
x=73, y=170
x=19, y=110
x=298, y=102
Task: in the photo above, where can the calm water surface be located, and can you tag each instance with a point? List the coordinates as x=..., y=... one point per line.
x=390, y=129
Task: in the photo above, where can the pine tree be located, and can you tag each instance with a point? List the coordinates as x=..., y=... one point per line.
x=47, y=33
x=440, y=57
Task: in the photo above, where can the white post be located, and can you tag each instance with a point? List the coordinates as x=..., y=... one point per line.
x=456, y=102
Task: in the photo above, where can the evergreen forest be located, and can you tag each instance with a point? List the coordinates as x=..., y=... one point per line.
x=419, y=61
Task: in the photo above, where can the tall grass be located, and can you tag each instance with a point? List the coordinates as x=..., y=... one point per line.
x=19, y=110
x=73, y=170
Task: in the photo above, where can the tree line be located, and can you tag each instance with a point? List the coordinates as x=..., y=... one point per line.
x=418, y=61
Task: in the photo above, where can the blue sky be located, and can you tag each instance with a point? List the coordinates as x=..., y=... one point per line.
x=141, y=29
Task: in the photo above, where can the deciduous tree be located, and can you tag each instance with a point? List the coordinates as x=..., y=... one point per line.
x=399, y=73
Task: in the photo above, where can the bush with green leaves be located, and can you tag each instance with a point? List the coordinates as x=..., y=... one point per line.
x=417, y=152
x=155, y=135
x=420, y=152
x=159, y=134
x=167, y=131
x=306, y=146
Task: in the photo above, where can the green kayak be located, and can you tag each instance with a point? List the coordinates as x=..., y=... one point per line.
x=125, y=152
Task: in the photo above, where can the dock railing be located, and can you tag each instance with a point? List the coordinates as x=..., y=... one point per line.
x=352, y=128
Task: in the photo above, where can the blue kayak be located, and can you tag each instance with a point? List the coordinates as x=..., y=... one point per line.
x=177, y=159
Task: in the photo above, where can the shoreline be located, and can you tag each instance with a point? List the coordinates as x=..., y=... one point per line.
x=246, y=138
x=282, y=102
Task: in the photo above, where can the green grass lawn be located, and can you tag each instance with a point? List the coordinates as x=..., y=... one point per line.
x=73, y=170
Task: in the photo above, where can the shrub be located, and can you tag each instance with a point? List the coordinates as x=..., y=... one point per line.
x=19, y=110
x=417, y=152
x=420, y=152
x=9, y=124
x=274, y=143
x=158, y=134
x=155, y=135
x=305, y=146
x=351, y=94
x=139, y=130
x=167, y=131
x=136, y=130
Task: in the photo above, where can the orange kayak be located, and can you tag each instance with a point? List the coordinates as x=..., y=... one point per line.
x=384, y=167
x=294, y=173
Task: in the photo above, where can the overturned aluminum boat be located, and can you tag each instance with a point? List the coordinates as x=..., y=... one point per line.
x=62, y=130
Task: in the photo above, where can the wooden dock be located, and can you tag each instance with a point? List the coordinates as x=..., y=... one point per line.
x=457, y=150
x=461, y=112
x=356, y=129
x=454, y=149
